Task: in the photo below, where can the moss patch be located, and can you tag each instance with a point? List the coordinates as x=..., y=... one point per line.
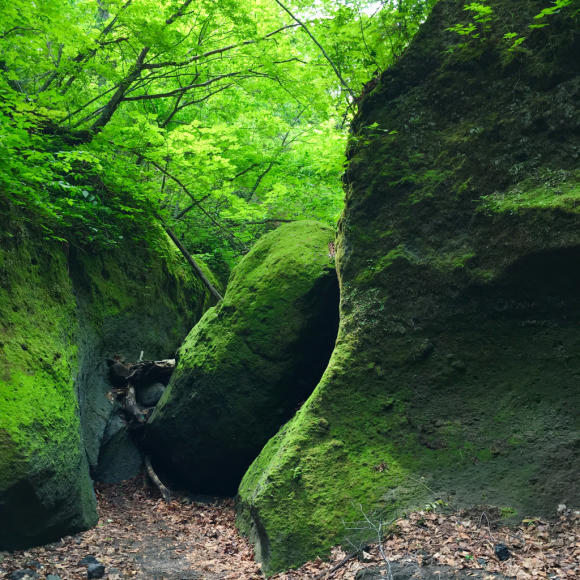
x=63, y=313
x=549, y=189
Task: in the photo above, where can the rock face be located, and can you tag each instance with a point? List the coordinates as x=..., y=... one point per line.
x=130, y=300
x=457, y=365
x=62, y=314
x=250, y=361
x=149, y=396
x=45, y=488
x=408, y=569
x=119, y=456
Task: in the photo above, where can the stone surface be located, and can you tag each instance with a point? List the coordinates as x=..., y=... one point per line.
x=45, y=489
x=250, y=362
x=410, y=570
x=26, y=574
x=131, y=299
x=95, y=571
x=62, y=314
x=120, y=458
x=456, y=369
x=502, y=552
x=149, y=395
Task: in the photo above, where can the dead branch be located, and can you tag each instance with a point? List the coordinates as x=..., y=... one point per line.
x=164, y=491
x=193, y=263
x=130, y=405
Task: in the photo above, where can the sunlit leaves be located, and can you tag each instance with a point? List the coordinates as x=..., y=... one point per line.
x=214, y=115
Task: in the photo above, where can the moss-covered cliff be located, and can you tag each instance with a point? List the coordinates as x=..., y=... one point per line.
x=250, y=361
x=457, y=365
x=62, y=312
x=130, y=300
x=45, y=488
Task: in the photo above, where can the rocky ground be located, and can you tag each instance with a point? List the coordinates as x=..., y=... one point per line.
x=139, y=536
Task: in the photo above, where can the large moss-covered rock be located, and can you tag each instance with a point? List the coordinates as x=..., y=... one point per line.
x=62, y=313
x=250, y=361
x=457, y=364
x=131, y=300
x=45, y=488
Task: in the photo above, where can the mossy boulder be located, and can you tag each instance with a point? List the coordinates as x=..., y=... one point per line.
x=250, y=361
x=62, y=313
x=456, y=370
x=45, y=488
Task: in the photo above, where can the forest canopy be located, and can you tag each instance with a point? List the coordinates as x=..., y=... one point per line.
x=220, y=119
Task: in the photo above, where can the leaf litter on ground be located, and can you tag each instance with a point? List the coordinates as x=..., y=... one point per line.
x=141, y=537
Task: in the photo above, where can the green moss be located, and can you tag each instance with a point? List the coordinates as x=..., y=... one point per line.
x=450, y=261
x=251, y=360
x=391, y=445
x=550, y=189
x=132, y=299
x=383, y=263
x=341, y=460
x=63, y=313
x=39, y=420
x=508, y=513
x=455, y=369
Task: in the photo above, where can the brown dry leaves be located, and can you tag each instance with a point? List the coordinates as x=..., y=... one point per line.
x=539, y=549
x=140, y=537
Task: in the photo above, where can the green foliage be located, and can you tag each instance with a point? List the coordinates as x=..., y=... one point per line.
x=482, y=15
x=113, y=112
x=557, y=5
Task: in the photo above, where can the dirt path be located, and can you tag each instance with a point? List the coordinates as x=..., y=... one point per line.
x=141, y=537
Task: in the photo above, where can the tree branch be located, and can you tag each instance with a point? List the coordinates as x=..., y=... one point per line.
x=74, y=113
x=267, y=221
x=192, y=262
x=197, y=57
x=117, y=98
x=336, y=71
x=197, y=203
x=188, y=87
x=273, y=161
x=165, y=493
x=84, y=57
x=193, y=102
x=18, y=29
x=179, y=13
x=243, y=171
